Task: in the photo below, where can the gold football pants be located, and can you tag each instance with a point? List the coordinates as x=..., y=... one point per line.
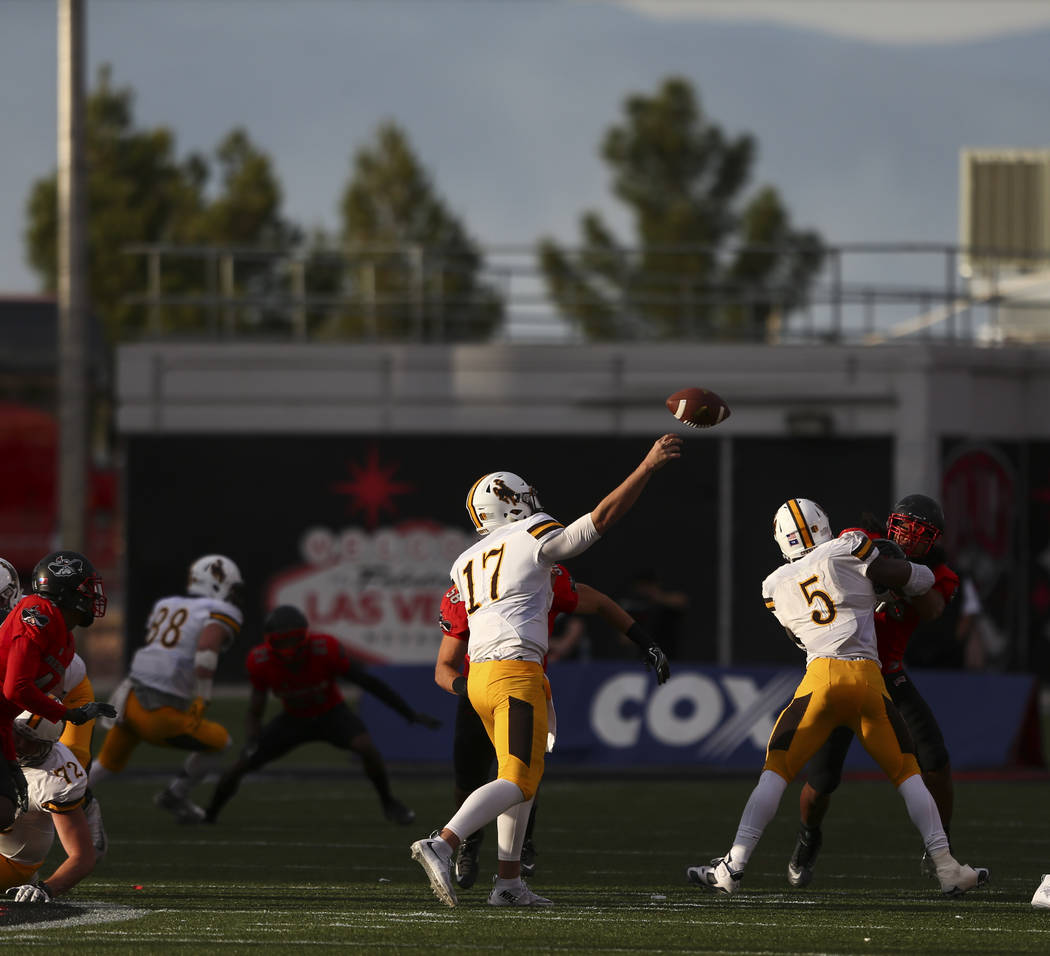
x=78, y=737
x=511, y=700
x=163, y=727
x=838, y=693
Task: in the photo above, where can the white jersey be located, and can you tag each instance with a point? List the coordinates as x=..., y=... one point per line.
x=505, y=582
x=58, y=785
x=173, y=629
x=826, y=600
x=74, y=674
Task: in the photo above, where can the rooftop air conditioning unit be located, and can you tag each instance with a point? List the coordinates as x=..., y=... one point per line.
x=1004, y=229
x=1004, y=211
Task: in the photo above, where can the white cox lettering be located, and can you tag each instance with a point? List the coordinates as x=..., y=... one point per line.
x=690, y=708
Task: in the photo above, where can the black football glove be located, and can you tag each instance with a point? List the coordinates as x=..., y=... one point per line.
x=656, y=660
x=431, y=723
x=21, y=787
x=97, y=708
x=459, y=686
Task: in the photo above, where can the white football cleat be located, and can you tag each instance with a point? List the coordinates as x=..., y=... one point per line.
x=721, y=877
x=957, y=878
x=1041, y=900
x=431, y=855
x=515, y=893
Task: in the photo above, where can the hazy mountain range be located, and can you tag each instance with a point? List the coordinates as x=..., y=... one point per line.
x=506, y=104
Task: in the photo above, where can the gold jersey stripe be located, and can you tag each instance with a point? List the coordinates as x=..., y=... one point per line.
x=470, y=499
x=800, y=523
x=53, y=807
x=539, y=530
x=770, y=604
x=864, y=549
x=225, y=619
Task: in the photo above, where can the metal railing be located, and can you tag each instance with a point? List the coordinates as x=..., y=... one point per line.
x=864, y=293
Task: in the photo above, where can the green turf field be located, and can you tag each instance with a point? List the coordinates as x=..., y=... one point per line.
x=303, y=861
x=306, y=862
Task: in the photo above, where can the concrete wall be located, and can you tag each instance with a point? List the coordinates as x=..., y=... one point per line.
x=917, y=393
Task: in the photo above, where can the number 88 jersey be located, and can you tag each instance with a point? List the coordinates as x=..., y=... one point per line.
x=826, y=600
x=165, y=661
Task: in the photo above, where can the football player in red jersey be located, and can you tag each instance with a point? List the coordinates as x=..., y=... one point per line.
x=472, y=752
x=36, y=647
x=913, y=528
x=301, y=668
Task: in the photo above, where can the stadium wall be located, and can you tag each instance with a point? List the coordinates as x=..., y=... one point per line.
x=336, y=473
x=614, y=715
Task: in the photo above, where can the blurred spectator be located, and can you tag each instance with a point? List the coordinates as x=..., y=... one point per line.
x=657, y=608
x=961, y=638
x=569, y=640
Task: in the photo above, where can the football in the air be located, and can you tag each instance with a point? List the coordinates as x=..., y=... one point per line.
x=698, y=407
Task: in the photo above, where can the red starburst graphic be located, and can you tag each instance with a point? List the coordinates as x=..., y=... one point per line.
x=371, y=488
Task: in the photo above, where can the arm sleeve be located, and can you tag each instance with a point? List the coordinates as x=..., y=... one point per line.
x=23, y=665
x=574, y=539
x=378, y=688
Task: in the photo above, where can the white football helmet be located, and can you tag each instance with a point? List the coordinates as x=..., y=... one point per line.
x=10, y=587
x=499, y=498
x=215, y=576
x=35, y=736
x=799, y=526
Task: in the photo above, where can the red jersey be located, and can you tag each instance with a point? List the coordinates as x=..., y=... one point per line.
x=36, y=647
x=894, y=630
x=893, y=635
x=453, y=618
x=306, y=684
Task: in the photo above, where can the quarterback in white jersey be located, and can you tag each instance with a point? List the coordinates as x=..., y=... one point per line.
x=162, y=701
x=59, y=803
x=505, y=581
x=825, y=598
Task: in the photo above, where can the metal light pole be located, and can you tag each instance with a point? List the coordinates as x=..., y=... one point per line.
x=72, y=280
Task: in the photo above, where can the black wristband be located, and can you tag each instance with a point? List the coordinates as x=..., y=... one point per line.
x=459, y=686
x=46, y=889
x=638, y=635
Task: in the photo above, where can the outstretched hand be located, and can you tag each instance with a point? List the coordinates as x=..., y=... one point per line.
x=96, y=708
x=664, y=449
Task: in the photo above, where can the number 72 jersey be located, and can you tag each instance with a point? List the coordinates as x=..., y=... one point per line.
x=826, y=600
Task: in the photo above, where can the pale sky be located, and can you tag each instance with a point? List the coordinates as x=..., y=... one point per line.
x=848, y=98
x=880, y=21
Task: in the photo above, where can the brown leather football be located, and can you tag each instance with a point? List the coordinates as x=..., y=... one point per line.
x=697, y=407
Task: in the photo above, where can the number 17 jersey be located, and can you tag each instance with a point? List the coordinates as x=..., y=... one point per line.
x=826, y=600
x=505, y=582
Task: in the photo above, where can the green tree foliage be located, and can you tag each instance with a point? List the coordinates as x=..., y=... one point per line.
x=414, y=270
x=139, y=192
x=705, y=262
